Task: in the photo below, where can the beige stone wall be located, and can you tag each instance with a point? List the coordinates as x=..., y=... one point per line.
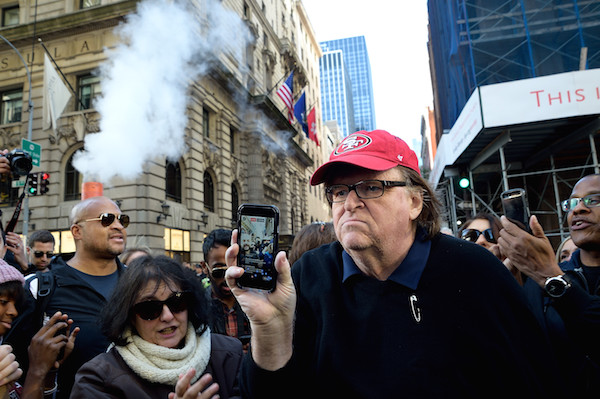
x=259, y=167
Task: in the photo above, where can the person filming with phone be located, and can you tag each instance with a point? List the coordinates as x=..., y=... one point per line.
x=394, y=308
x=566, y=296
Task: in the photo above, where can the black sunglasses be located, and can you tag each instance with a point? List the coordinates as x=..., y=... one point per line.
x=473, y=235
x=108, y=218
x=218, y=272
x=39, y=254
x=150, y=310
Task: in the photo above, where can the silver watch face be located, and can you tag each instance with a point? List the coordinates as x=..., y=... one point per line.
x=556, y=286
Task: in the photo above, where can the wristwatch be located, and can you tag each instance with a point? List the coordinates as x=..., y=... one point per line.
x=557, y=286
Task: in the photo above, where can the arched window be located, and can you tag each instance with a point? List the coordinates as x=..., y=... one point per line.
x=73, y=180
x=235, y=203
x=173, y=181
x=209, y=193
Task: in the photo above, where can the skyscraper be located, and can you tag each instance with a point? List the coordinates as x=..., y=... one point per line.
x=355, y=59
x=336, y=90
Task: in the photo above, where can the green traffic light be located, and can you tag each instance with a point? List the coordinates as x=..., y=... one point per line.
x=464, y=182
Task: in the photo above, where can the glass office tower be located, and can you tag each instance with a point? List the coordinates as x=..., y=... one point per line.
x=353, y=53
x=336, y=91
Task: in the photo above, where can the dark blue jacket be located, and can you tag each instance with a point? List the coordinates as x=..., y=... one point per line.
x=573, y=324
x=465, y=331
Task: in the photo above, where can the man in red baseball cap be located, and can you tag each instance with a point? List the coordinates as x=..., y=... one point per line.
x=393, y=308
x=376, y=150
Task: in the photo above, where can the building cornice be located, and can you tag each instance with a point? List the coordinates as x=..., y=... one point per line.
x=81, y=21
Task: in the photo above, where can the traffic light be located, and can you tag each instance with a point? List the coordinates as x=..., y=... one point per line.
x=464, y=182
x=44, y=181
x=33, y=184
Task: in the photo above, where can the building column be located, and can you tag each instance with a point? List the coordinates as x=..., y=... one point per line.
x=256, y=192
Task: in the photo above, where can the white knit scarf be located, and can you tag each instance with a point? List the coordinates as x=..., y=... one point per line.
x=164, y=365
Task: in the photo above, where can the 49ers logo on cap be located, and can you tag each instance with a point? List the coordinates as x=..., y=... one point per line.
x=352, y=142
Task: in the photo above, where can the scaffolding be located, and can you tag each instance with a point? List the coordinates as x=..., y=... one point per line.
x=474, y=43
x=480, y=42
x=546, y=186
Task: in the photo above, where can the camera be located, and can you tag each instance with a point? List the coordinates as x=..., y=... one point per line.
x=20, y=162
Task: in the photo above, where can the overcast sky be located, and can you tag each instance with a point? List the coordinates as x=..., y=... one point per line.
x=396, y=36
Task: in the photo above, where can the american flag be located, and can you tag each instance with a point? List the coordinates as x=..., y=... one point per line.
x=285, y=93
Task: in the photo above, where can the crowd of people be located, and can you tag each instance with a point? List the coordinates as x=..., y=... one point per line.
x=377, y=303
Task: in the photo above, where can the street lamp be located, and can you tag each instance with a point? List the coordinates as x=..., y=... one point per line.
x=164, y=212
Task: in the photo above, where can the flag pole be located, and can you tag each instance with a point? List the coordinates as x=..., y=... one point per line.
x=77, y=99
x=280, y=80
x=312, y=105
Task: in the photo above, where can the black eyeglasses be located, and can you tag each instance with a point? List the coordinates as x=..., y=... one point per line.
x=473, y=235
x=218, y=272
x=108, y=218
x=366, y=189
x=39, y=254
x=590, y=201
x=150, y=310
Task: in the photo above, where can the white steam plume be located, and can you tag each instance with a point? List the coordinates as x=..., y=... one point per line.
x=145, y=81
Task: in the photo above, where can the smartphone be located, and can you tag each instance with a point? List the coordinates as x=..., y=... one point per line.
x=258, y=233
x=515, y=207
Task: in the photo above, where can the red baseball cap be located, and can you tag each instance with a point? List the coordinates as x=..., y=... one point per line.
x=376, y=150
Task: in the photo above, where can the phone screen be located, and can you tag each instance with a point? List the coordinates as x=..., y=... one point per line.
x=257, y=238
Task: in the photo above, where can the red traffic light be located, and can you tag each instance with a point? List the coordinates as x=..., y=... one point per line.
x=44, y=181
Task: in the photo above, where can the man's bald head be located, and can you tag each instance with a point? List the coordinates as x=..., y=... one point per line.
x=83, y=208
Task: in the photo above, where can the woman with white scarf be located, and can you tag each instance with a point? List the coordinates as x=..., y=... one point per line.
x=157, y=320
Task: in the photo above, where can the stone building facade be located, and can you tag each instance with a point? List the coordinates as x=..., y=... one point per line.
x=233, y=156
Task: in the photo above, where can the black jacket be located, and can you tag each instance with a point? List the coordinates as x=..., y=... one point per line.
x=573, y=325
x=108, y=376
x=466, y=331
x=71, y=295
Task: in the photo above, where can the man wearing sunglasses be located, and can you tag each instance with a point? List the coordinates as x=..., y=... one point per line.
x=393, y=308
x=566, y=296
x=40, y=249
x=79, y=286
x=227, y=316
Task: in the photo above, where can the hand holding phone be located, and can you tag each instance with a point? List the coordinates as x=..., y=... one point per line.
x=258, y=233
x=515, y=207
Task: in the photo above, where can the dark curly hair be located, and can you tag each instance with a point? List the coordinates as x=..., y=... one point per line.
x=214, y=238
x=117, y=314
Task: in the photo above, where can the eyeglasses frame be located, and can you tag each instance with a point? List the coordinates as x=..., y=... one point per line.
x=179, y=295
x=479, y=233
x=107, y=214
x=585, y=199
x=352, y=187
x=48, y=254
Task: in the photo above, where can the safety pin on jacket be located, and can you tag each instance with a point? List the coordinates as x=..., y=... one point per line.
x=416, y=312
